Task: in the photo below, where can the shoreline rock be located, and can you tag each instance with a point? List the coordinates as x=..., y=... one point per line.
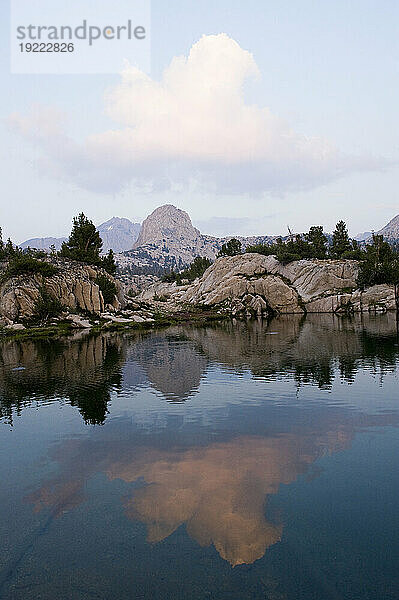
x=73, y=285
x=253, y=285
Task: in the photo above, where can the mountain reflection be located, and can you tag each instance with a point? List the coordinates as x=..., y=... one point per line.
x=89, y=370
x=218, y=491
x=213, y=475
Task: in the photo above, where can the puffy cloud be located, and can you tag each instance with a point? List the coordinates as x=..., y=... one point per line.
x=193, y=127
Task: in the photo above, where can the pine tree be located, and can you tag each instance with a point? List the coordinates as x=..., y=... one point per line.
x=2, y=249
x=341, y=242
x=380, y=264
x=108, y=262
x=318, y=242
x=84, y=243
x=230, y=248
x=9, y=248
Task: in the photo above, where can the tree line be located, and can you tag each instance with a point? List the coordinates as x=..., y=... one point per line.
x=378, y=260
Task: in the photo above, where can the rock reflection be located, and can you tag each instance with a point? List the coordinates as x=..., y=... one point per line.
x=87, y=370
x=309, y=349
x=82, y=369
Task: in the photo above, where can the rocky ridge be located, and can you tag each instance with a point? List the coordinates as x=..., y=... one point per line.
x=255, y=285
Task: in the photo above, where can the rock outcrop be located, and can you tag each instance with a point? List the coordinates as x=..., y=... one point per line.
x=256, y=285
x=168, y=239
x=74, y=286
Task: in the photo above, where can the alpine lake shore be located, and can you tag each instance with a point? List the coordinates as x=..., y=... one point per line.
x=72, y=296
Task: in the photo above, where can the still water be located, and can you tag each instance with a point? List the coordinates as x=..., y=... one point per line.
x=252, y=461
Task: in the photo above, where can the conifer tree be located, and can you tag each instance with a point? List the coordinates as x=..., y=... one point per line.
x=341, y=242
x=84, y=243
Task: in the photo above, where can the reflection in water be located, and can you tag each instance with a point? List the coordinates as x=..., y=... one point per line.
x=82, y=369
x=207, y=435
x=172, y=361
x=86, y=369
x=217, y=491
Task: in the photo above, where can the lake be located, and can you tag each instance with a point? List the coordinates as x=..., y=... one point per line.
x=238, y=461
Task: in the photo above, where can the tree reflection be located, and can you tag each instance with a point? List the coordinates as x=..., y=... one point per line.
x=81, y=370
x=84, y=370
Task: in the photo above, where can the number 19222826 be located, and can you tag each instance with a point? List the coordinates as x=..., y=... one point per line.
x=46, y=47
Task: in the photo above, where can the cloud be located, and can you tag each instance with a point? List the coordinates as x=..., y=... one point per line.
x=193, y=128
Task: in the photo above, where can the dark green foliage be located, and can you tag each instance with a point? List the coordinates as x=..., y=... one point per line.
x=46, y=307
x=2, y=248
x=355, y=253
x=107, y=287
x=317, y=243
x=379, y=264
x=22, y=264
x=9, y=249
x=341, y=243
x=196, y=269
x=230, y=248
x=171, y=277
x=266, y=249
x=107, y=262
x=310, y=245
x=84, y=243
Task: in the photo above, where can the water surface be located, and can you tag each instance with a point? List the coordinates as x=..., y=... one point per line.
x=232, y=462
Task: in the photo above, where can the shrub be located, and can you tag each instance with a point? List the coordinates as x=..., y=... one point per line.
x=196, y=269
x=21, y=265
x=107, y=287
x=265, y=249
x=46, y=306
x=309, y=245
x=107, y=262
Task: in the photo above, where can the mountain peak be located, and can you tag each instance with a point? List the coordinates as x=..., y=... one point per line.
x=167, y=223
x=119, y=234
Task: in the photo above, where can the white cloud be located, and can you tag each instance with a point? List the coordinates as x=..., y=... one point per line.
x=191, y=128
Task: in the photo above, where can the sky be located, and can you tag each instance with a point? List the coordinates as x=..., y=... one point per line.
x=255, y=116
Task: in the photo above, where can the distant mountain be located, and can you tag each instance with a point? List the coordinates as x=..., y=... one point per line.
x=168, y=240
x=391, y=231
x=118, y=234
x=44, y=243
x=361, y=237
